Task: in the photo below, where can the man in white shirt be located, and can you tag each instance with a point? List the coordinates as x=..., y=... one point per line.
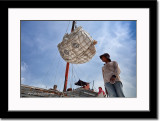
x=111, y=77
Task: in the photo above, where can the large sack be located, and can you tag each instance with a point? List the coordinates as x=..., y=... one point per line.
x=77, y=47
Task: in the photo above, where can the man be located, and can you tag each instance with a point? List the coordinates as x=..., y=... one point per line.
x=101, y=93
x=111, y=77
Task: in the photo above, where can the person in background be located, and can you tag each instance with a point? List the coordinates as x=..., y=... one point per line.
x=101, y=93
x=111, y=77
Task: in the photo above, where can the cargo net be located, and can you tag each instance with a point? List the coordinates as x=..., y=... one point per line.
x=77, y=47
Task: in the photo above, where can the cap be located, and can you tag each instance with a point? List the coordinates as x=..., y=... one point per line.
x=105, y=55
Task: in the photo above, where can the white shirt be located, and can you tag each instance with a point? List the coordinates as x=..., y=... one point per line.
x=101, y=95
x=109, y=69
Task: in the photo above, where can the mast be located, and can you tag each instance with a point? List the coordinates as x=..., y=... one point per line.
x=67, y=65
x=93, y=84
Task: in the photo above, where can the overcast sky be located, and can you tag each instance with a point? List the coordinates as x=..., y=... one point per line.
x=42, y=65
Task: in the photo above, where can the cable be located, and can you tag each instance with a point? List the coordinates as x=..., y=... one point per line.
x=47, y=71
x=67, y=27
x=50, y=66
x=76, y=72
x=72, y=75
x=58, y=36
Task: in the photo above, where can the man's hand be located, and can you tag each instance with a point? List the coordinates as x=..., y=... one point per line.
x=94, y=42
x=112, y=79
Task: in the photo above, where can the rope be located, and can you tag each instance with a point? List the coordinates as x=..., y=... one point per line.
x=55, y=75
x=52, y=61
x=67, y=27
x=57, y=65
x=69, y=78
x=58, y=34
x=62, y=73
x=72, y=77
x=47, y=71
x=79, y=70
x=61, y=80
x=76, y=72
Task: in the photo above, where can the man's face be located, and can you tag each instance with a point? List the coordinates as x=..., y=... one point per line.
x=104, y=59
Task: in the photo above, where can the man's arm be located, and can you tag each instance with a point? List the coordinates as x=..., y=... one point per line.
x=103, y=73
x=116, y=69
x=115, y=73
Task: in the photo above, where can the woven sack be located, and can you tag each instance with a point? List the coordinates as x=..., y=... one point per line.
x=77, y=47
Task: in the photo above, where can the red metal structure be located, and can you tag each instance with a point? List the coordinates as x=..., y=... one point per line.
x=67, y=65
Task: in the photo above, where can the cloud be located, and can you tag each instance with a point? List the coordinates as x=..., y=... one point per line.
x=116, y=39
x=39, y=51
x=113, y=37
x=24, y=72
x=40, y=85
x=24, y=67
x=22, y=79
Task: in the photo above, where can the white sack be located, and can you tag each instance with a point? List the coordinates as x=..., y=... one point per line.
x=77, y=47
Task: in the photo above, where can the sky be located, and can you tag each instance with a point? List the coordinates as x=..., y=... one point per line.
x=42, y=66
